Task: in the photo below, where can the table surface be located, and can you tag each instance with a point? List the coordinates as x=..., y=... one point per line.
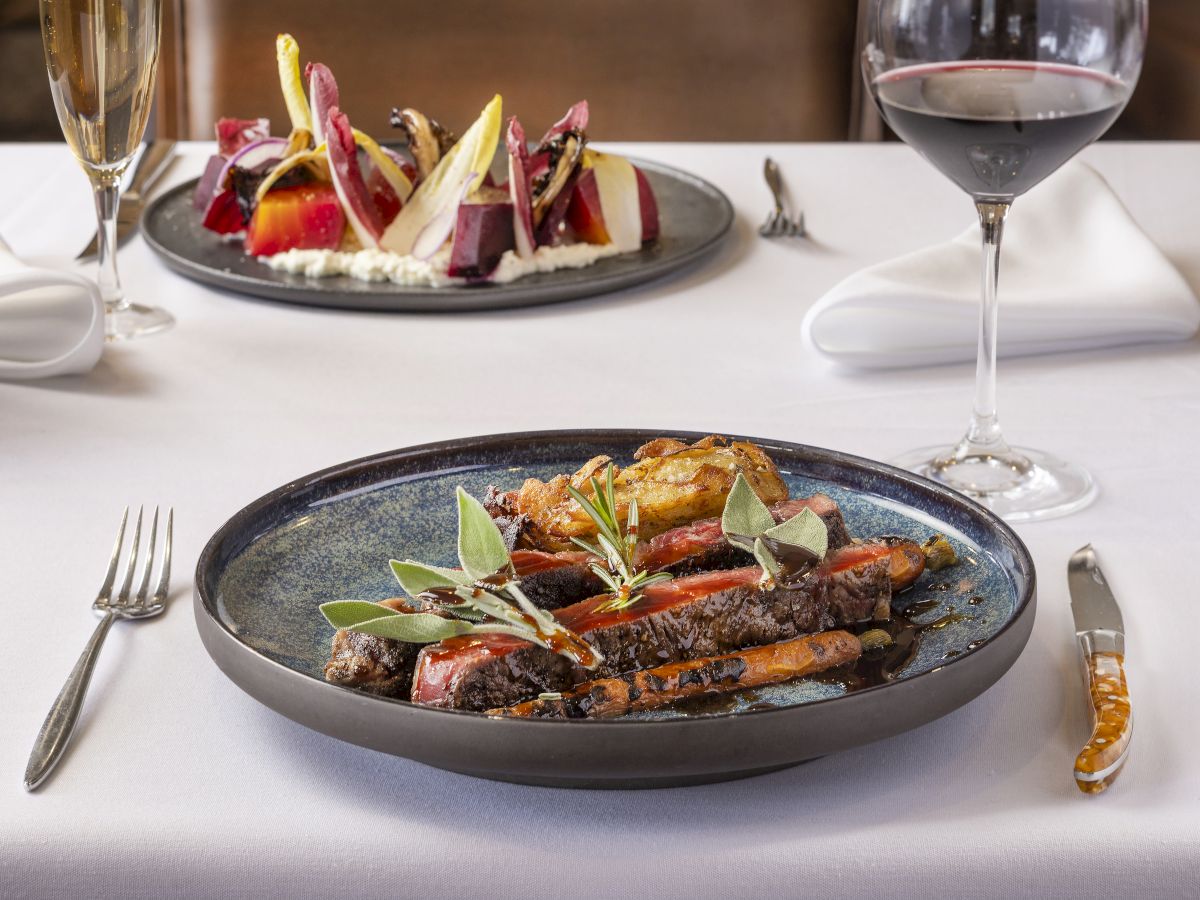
x=178, y=783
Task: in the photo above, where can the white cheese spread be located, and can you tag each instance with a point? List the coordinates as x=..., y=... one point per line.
x=383, y=265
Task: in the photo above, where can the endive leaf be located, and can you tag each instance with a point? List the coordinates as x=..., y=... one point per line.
x=287, y=55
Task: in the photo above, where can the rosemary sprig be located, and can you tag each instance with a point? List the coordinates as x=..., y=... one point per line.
x=614, y=546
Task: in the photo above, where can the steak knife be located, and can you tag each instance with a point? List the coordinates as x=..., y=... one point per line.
x=1101, y=634
x=151, y=165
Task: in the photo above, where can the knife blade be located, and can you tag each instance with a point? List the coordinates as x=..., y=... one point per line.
x=151, y=165
x=1100, y=631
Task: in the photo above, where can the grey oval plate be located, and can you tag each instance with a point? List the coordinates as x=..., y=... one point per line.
x=329, y=536
x=695, y=217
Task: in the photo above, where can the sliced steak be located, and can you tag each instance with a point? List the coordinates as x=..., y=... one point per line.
x=555, y=580
x=688, y=618
x=373, y=664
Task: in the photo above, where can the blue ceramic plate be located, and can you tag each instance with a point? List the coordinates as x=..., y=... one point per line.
x=329, y=536
x=696, y=217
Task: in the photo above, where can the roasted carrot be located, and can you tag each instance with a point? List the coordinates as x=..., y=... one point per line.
x=663, y=685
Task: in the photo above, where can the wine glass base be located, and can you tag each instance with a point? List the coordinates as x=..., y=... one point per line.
x=1026, y=486
x=122, y=323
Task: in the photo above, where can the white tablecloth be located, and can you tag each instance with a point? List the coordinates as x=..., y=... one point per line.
x=180, y=784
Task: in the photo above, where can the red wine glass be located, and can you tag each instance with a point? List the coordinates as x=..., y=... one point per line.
x=997, y=95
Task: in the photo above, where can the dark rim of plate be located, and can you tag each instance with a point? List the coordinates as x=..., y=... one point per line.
x=246, y=516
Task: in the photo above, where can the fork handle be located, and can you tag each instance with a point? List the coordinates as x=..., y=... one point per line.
x=774, y=182
x=56, y=731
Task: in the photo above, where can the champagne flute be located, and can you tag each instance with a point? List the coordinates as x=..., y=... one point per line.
x=101, y=56
x=998, y=94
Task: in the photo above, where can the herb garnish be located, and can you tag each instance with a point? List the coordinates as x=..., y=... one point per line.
x=472, y=600
x=621, y=576
x=748, y=523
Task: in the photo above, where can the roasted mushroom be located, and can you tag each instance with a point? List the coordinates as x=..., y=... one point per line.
x=565, y=150
x=428, y=141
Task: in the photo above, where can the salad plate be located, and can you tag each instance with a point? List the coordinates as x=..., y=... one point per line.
x=328, y=536
x=696, y=218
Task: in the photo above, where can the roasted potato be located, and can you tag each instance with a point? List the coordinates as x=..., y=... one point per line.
x=674, y=484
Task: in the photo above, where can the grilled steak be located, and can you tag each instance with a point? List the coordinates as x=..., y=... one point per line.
x=384, y=666
x=373, y=664
x=554, y=580
x=688, y=618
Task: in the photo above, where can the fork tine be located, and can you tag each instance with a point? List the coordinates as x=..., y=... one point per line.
x=131, y=565
x=140, y=601
x=105, y=593
x=164, y=578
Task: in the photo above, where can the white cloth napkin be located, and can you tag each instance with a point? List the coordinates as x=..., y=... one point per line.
x=1076, y=272
x=51, y=322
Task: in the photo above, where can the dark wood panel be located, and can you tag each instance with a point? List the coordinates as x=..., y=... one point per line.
x=1166, y=104
x=652, y=69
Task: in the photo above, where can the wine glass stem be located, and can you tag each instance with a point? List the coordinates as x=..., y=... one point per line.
x=107, y=191
x=983, y=435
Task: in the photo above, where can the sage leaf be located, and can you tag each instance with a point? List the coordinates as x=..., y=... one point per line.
x=805, y=530
x=481, y=549
x=349, y=613
x=417, y=578
x=765, y=558
x=414, y=628
x=745, y=516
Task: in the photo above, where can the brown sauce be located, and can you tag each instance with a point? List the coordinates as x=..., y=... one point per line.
x=715, y=703
x=795, y=563
x=884, y=665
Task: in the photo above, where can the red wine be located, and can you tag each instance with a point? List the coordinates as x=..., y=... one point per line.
x=998, y=128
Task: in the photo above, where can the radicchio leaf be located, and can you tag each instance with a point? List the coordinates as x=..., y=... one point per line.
x=322, y=96
x=519, y=188
x=576, y=119
x=348, y=179
x=234, y=134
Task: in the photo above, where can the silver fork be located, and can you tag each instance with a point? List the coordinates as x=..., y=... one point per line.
x=779, y=223
x=56, y=731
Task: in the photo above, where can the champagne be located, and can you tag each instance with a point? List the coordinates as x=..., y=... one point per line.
x=101, y=56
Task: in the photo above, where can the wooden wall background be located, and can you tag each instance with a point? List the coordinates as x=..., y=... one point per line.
x=654, y=69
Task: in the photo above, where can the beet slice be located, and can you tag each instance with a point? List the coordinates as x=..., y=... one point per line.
x=224, y=214
x=482, y=234
x=584, y=214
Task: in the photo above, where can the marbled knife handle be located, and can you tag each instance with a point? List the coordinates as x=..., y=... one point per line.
x=1101, y=759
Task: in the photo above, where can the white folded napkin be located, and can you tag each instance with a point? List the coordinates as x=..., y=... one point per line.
x=51, y=322
x=1076, y=272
